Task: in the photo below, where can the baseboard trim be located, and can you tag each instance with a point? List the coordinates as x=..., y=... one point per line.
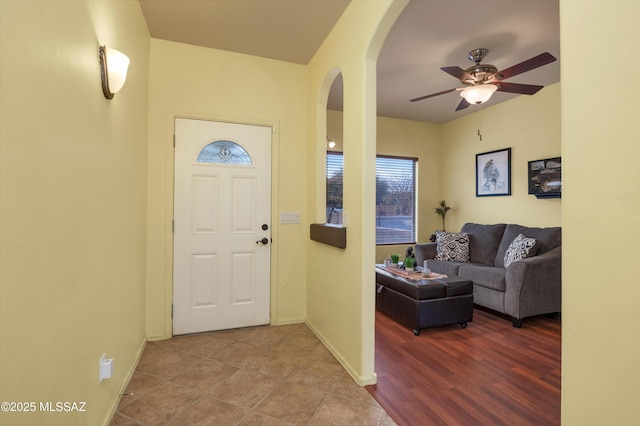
x=125, y=383
x=287, y=322
x=156, y=337
x=360, y=380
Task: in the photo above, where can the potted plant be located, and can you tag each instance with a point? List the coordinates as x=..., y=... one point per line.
x=409, y=263
x=394, y=259
x=442, y=210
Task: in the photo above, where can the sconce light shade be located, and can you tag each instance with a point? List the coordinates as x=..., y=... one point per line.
x=113, y=69
x=330, y=143
x=478, y=94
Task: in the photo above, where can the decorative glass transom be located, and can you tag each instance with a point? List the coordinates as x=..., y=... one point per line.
x=225, y=152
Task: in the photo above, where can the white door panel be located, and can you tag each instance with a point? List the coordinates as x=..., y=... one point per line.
x=222, y=200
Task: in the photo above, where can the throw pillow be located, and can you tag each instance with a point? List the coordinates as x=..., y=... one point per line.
x=520, y=248
x=452, y=246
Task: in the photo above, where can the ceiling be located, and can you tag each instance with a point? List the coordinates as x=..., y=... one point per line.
x=428, y=35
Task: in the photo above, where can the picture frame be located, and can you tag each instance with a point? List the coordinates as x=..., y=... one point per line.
x=493, y=173
x=545, y=177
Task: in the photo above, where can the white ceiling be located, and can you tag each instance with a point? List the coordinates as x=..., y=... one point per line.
x=428, y=35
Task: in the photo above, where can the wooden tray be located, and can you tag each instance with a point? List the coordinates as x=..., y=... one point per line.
x=414, y=275
x=402, y=272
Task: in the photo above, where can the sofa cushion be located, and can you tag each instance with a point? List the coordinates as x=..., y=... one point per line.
x=444, y=266
x=520, y=248
x=452, y=246
x=546, y=239
x=485, y=276
x=484, y=241
x=425, y=251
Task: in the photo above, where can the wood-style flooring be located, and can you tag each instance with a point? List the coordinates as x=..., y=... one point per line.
x=487, y=374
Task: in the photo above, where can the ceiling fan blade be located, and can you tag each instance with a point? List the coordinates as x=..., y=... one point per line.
x=458, y=73
x=463, y=104
x=532, y=63
x=432, y=95
x=524, y=89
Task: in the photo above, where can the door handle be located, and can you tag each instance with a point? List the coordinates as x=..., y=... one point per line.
x=263, y=241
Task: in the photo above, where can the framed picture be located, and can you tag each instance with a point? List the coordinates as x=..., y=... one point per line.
x=493, y=173
x=545, y=178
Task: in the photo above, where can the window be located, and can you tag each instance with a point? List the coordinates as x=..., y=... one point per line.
x=224, y=152
x=396, y=195
x=335, y=166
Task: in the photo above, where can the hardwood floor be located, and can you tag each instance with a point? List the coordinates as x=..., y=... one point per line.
x=487, y=374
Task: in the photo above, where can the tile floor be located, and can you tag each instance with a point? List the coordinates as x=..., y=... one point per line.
x=255, y=376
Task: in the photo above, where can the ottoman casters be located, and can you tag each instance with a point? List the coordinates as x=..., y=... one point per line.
x=417, y=332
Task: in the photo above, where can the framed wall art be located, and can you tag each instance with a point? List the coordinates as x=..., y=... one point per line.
x=545, y=178
x=493, y=173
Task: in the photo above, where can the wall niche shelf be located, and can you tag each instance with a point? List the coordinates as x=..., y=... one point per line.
x=333, y=235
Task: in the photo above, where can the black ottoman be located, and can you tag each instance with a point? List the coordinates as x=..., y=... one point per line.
x=424, y=303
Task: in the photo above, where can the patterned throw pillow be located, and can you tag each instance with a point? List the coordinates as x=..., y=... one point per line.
x=520, y=248
x=452, y=246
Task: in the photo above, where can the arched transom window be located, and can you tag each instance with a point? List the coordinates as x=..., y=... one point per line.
x=224, y=152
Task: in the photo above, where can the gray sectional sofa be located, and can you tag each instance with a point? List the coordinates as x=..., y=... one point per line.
x=527, y=287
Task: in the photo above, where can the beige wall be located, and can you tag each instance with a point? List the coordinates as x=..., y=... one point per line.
x=601, y=295
x=73, y=188
x=196, y=82
x=340, y=303
x=530, y=126
x=72, y=206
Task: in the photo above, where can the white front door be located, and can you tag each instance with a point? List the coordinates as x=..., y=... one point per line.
x=222, y=231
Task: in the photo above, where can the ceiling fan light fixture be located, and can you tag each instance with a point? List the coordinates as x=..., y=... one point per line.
x=478, y=94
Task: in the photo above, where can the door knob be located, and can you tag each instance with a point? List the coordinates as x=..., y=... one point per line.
x=263, y=241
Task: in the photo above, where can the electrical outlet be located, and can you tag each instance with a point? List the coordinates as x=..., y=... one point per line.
x=106, y=367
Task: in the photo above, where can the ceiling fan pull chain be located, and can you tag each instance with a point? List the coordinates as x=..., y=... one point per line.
x=480, y=115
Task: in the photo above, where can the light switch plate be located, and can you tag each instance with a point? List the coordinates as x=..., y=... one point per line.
x=289, y=217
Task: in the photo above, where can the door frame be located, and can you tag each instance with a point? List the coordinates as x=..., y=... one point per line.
x=169, y=209
x=224, y=249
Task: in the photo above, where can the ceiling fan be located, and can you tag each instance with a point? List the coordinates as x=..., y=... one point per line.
x=482, y=80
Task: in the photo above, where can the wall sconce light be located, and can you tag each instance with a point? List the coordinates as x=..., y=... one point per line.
x=478, y=94
x=113, y=70
x=330, y=143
